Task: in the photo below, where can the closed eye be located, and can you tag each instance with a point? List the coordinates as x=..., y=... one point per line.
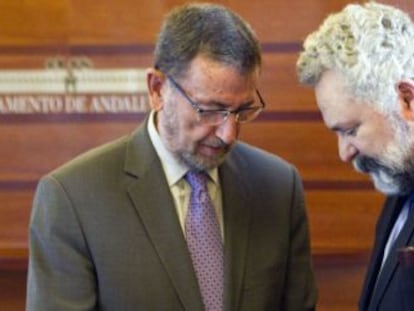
x=350, y=132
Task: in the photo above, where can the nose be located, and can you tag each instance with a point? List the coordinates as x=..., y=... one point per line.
x=229, y=130
x=347, y=150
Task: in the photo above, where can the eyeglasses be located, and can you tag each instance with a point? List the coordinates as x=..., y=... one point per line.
x=219, y=116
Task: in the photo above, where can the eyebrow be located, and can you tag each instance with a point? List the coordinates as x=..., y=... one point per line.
x=336, y=128
x=344, y=128
x=222, y=105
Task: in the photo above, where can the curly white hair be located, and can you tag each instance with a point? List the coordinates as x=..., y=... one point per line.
x=371, y=45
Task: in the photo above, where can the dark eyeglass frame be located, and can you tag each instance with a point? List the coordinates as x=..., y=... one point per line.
x=224, y=113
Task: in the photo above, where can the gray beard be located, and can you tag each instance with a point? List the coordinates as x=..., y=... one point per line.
x=388, y=180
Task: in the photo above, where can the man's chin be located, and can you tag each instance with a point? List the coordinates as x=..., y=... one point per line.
x=203, y=163
x=387, y=187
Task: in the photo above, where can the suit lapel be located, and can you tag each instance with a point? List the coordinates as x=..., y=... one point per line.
x=385, y=222
x=236, y=213
x=153, y=201
x=391, y=263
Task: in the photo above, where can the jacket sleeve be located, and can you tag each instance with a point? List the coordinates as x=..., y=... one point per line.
x=301, y=292
x=60, y=275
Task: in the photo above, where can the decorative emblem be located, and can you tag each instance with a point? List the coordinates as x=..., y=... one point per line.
x=72, y=86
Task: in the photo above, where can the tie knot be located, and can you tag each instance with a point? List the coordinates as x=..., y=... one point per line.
x=197, y=180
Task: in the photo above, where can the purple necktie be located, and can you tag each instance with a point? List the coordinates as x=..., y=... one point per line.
x=204, y=242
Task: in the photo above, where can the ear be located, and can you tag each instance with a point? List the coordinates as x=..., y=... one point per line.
x=406, y=97
x=155, y=81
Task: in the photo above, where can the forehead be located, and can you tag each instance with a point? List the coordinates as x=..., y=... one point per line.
x=209, y=74
x=337, y=104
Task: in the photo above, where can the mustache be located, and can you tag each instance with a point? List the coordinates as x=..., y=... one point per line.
x=367, y=164
x=216, y=143
x=371, y=165
x=403, y=179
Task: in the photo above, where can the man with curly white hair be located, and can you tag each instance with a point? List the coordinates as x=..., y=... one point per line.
x=361, y=65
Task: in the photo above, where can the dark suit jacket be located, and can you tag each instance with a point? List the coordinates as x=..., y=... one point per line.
x=394, y=290
x=104, y=235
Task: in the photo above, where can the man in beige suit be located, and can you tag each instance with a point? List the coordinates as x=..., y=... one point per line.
x=108, y=230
